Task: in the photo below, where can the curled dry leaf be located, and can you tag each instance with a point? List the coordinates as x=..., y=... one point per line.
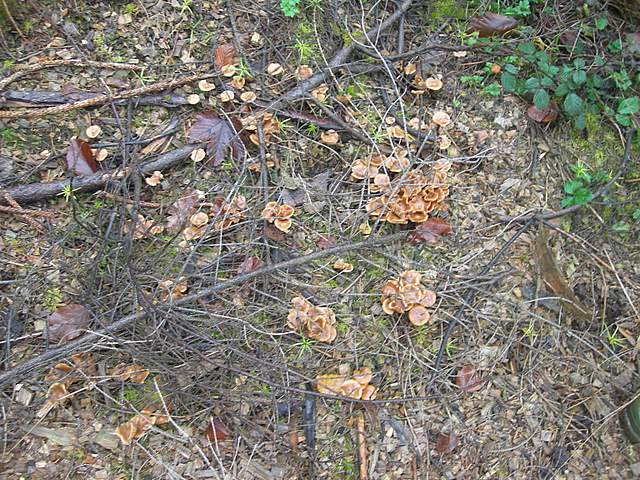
x=182, y=209
x=303, y=72
x=468, y=379
x=205, y=86
x=219, y=135
x=275, y=69
x=343, y=266
x=193, y=99
x=330, y=137
x=491, y=24
x=68, y=322
x=155, y=179
x=224, y=55
x=93, y=131
x=198, y=155
x=216, y=431
x=80, y=157
x=446, y=443
x=440, y=118
x=430, y=231
x=547, y=115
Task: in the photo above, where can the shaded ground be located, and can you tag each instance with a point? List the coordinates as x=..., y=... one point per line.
x=553, y=381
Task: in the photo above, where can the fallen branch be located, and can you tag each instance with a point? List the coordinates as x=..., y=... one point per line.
x=35, y=192
x=38, y=99
x=92, y=338
x=106, y=98
x=24, y=211
x=24, y=70
x=362, y=446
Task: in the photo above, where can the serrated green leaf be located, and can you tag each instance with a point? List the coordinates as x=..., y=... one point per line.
x=629, y=106
x=623, y=120
x=541, y=99
x=573, y=105
x=531, y=84
x=601, y=23
x=508, y=81
x=572, y=186
x=510, y=69
x=579, y=77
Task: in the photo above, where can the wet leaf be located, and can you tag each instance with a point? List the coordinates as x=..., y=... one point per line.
x=182, y=209
x=491, y=24
x=468, y=379
x=446, y=443
x=546, y=115
x=325, y=242
x=272, y=233
x=224, y=55
x=249, y=265
x=80, y=158
x=68, y=322
x=430, y=231
x=216, y=431
x=219, y=135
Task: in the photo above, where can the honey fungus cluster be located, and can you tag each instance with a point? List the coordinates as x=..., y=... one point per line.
x=407, y=294
x=417, y=196
x=314, y=322
x=354, y=386
x=279, y=215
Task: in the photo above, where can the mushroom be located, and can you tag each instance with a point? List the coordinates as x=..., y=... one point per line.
x=440, y=118
x=407, y=294
x=317, y=323
x=279, y=215
x=355, y=386
x=433, y=83
x=419, y=315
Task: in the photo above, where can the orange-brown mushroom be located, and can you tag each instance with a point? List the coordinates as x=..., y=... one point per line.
x=419, y=315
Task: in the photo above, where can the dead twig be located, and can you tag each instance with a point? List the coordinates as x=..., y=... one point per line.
x=362, y=446
x=7, y=11
x=22, y=211
x=39, y=99
x=24, y=214
x=102, y=99
x=24, y=70
x=92, y=338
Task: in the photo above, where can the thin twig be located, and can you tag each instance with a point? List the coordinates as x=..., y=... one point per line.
x=23, y=211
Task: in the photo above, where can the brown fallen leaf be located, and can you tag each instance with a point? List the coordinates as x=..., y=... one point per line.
x=446, y=443
x=80, y=158
x=430, y=231
x=219, y=135
x=491, y=24
x=68, y=322
x=182, y=209
x=216, y=431
x=554, y=279
x=249, y=264
x=325, y=242
x=547, y=115
x=468, y=379
x=224, y=55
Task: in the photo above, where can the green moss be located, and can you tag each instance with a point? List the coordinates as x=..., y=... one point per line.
x=442, y=9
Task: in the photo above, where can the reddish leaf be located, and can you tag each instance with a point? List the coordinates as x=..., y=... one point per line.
x=224, y=55
x=446, y=443
x=216, y=431
x=68, y=322
x=80, y=158
x=272, y=233
x=218, y=134
x=182, y=209
x=468, y=379
x=325, y=242
x=491, y=24
x=547, y=115
x=430, y=231
x=249, y=265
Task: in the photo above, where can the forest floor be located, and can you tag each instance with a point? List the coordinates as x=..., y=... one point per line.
x=143, y=304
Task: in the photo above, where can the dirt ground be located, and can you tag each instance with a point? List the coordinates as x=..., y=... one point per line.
x=528, y=384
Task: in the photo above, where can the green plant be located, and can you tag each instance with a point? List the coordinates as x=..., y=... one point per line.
x=474, y=80
x=626, y=109
x=636, y=215
x=312, y=129
x=305, y=347
x=130, y=8
x=612, y=337
x=67, y=193
x=450, y=348
x=305, y=50
x=578, y=190
x=52, y=299
x=242, y=69
x=290, y=8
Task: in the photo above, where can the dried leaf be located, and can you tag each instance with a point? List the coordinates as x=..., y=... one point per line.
x=182, y=209
x=272, y=233
x=80, y=158
x=219, y=136
x=325, y=242
x=224, y=55
x=554, y=279
x=249, y=264
x=446, y=443
x=547, y=115
x=430, y=231
x=68, y=322
x=491, y=24
x=216, y=431
x=468, y=379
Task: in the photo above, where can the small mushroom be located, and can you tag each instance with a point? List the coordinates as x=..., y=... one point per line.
x=433, y=83
x=303, y=72
x=330, y=137
x=342, y=266
x=440, y=118
x=419, y=315
x=275, y=69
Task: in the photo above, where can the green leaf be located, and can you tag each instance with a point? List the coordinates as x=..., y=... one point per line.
x=567, y=202
x=579, y=77
x=508, y=81
x=562, y=90
x=636, y=214
x=573, y=105
x=621, y=227
x=547, y=82
x=541, y=99
x=527, y=48
x=601, y=23
x=580, y=122
x=582, y=196
x=573, y=186
x=510, y=69
x=623, y=120
x=629, y=106
x=531, y=84
x=493, y=89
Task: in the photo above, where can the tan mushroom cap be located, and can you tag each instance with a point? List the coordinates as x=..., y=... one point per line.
x=433, y=83
x=286, y=210
x=351, y=388
x=329, y=383
x=283, y=224
x=411, y=277
x=440, y=118
x=363, y=375
x=369, y=392
x=419, y=315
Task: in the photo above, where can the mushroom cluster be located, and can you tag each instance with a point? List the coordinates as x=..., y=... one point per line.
x=353, y=386
x=228, y=214
x=279, y=215
x=270, y=126
x=417, y=197
x=406, y=294
x=314, y=322
x=369, y=169
x=421, y=85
